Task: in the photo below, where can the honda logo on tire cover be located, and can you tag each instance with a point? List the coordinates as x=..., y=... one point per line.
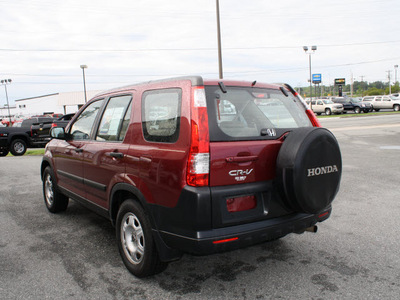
x=322, y=170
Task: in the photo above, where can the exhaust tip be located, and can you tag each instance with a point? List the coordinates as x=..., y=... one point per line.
x=313, y=229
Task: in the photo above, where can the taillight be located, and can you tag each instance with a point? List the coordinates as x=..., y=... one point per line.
x=314, y=121
x=53, y=125
x=198, y=169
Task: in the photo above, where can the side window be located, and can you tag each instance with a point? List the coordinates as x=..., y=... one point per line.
x=319, y=102
x=82, y=127
x=161, y=114
x=115, y=120
x=386, y=99
x=378, y=98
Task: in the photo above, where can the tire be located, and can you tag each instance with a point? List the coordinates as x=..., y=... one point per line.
x=18, y=147
x=328, y=112
x=135, y=240
x=377, y=109
x=396, y=107
x=53, y=199
x=3, y=152
x=309, y=168
x=357, y=110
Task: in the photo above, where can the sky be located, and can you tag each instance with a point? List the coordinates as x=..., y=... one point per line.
x=44, y=42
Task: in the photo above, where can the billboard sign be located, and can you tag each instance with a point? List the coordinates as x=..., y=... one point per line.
x=340, y=81
x=316, y=78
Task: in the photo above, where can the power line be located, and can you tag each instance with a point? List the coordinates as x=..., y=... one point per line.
x=191, y=49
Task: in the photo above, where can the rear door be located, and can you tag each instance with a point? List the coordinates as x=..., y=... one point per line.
x=105, y=155
x=246, y=129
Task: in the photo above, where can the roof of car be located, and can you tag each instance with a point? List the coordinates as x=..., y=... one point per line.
x=195, y=80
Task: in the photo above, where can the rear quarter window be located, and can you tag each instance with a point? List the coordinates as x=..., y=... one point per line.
x=161, y=114
x=242, y=113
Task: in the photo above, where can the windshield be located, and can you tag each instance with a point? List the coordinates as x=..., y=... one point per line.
x=355, y=100
x=328, y=101
x=242, y=113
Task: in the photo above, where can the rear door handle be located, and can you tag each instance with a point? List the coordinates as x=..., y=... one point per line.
x=241, y=159
x=117, y=154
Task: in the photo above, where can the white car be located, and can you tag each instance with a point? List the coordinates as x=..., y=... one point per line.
x=326, y=106
x=383, y=102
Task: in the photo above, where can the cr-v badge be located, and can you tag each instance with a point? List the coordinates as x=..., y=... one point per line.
x=240, y=175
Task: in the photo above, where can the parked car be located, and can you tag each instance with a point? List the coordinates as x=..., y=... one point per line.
x=17, y=139
x=326, y=106
x=383, y=102
x=353, y=104
x=62, y=121
x=192, y=165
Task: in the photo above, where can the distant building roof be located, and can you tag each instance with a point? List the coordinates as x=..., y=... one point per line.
x=31, y=98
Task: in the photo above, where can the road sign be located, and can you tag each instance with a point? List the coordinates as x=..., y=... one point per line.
x=316, y=78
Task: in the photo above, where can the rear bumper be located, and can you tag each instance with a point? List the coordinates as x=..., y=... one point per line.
x=235, y=237
x=198, y=225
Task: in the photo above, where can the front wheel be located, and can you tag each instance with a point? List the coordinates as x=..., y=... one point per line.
x=328, y=112
x=18, y=147
x=135, y=240
x=377, y=109
x=396, y=107
x=54, y=200
x=357, y=110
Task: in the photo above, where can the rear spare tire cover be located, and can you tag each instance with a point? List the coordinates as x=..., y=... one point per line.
x=309, y=168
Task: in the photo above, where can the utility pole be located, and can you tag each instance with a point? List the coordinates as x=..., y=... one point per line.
x=362, y=85
x=221, y=75
x=390, y=88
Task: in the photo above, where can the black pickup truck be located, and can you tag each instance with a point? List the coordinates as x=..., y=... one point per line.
x=17, y=139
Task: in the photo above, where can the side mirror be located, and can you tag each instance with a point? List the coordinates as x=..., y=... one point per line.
x=58, y=133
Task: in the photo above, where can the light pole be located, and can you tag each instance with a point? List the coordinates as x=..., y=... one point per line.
x=312, y=51
x=5, y=82
x=221, y=75
x=395, y=73
x=83, y=67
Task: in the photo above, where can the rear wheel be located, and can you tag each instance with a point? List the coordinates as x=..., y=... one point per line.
x=54, y=200
x=18, y=147
x=328, y=112
x=135, y=240
x=377, y=109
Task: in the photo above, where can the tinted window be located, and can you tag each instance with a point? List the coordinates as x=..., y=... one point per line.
x=242, y=113
x=82, y=127
x=161, y=112
x=114, y=119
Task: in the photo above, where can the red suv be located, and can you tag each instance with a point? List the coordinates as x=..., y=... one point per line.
x=192, y=165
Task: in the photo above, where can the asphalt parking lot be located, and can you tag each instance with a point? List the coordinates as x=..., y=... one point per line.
x=354, y=255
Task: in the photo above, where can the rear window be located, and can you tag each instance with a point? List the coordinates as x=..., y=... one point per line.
x=247, y=113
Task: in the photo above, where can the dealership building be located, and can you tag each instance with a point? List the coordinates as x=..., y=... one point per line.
x=57, y=103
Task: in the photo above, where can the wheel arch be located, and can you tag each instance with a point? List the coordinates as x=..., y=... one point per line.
x=45, y=163
x=121, y=192
x=20, y=136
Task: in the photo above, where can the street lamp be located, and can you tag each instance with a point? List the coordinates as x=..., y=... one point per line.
x=5, y=82
x=395, y=73
x=312, y=51
x=83, y=67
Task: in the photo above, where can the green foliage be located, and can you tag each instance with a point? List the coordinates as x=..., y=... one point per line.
x=360, y=88
x=375, y=91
